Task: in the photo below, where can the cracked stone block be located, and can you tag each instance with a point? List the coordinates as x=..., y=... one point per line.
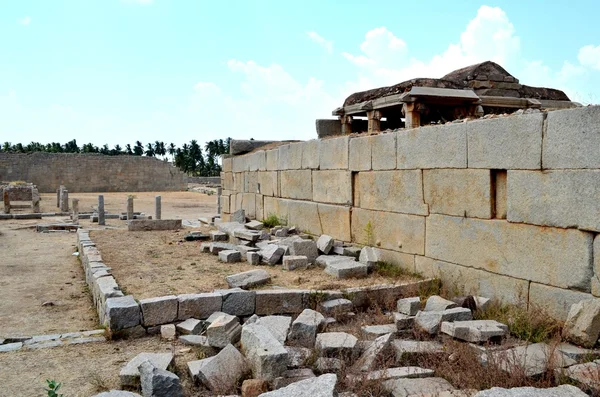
x=476, y=331
x=409, y=306
x=293, y=376
x=324, y=260
x=230, y=256
x=278, y=326
x=436, y=303
x=271, y=254
x=534, y=359
x=198, y=306
x=336, y=344
x=191, y=326
x=292, y=262
x=251, y=278
x=325, y=243
x=305, y=327
x=587, y=374
x=122, y=312
x=130, y=374
x=239, y=216
x=267, y=356
x=160, y=310
x=280, y=301
x=220, y=373
x=428, y=322
x=559, y=391
x=168, y=331
x=346, y=269
x=457, y=314
x=370, y=256
x=157, y=382
x=224, y=330
x=368, y=360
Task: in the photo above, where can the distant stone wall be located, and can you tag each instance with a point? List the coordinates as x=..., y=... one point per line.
x=91, y=172
x=205, y=180
x=506, y=207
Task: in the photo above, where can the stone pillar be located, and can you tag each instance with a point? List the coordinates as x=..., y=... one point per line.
x=58, y=191
x=374, y=121
x=346, y=124
x=412, y=116
x=35, y=200
x=75, y=210
x=6, y=202
x=157, y=207
x=64, y=201
x=129, y=208
x=101, y=219
x=219, y=193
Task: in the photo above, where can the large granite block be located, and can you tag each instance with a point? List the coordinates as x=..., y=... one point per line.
x=333, y=153
x=383, y=149
x=443, y=146
x=296, y=184
x=334, y=187
x=393, y=191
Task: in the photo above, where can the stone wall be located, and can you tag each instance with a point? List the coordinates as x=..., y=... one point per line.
x=505, y=207
x=91, y=172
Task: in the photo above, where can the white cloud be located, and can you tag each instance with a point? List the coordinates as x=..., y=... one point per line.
x=25, y=21
x=317, y=38
x=589, y=56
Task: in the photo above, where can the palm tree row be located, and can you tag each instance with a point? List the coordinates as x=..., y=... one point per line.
x=190, y=158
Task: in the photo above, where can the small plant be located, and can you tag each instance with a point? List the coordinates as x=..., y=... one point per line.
x=315, y=298
x=53, y=387
x=369, y=234
x=273, y=220
x=390, y=270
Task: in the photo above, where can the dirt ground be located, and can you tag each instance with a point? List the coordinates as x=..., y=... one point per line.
x=36, y=268
x=151, y=264
x=87, y=369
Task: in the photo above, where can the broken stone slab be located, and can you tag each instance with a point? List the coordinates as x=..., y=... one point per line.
x=436, y=303
x=222, y=372
x=271, y=254
x=409, y=306
x=293, y=262
x=255, y=225
x=191, y=326
x=392, y=373
x=403, y=321
x=253, y=258
x=412, y=347
x=477, y=331
x=230, y=256
x=370, y=256
x=237, y=301
x=218, y=236
x=251, y=278
x=305, y=327
x=297, y=356
x=428, y=322
x=278, y=326
x=303, y=247
x=336, y=307
x=416, y=387
x=248, y=235
x=350, y=251
x=375, y=331
x=292, y=376
x=153, y=224
x=215, y=248
x=225, y=330
x=194, y=340
x=336, y=344
x=157, y=382
x=239, y=216
x=559, y=391
x=586, y=374
x=328, y=364
x=534, y=359
x=198, y=306
x=325, y=243
x=322, y=386
x=368, y=360
x=266, y=355
x=346, y=269
x=457, y=314
x=583, y=323
x=122, y=312
x=130, y=374
x=324, y=260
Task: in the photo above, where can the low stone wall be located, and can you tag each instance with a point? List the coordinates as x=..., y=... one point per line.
x=205, y=180
x=91, y=172
x=505, y=207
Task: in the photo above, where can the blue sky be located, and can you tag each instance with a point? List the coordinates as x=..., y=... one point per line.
x=116, y=71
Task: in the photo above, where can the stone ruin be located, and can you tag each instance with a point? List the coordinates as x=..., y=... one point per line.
x=470, y=92
x=20, y=192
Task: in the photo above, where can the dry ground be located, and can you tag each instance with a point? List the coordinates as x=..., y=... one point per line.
x=37, y=268
x=85, y=369
x=151, y=264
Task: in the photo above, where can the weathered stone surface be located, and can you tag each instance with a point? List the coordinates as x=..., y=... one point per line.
x=122, y=312
x=168, y=331
x=324, y=260
x=392, y=373
x=559, y=391
x=158, y=382
x=9, y=347
x=271, y=254
x=238, y=302
x=409, y=306
x=191, y=326
x=130, y=374
x=247, y=235
x=368, y=360
x=297, y=356
x=375, y=331
x=335, y=344
x=278, y=326
x=566, y=198
x=328, y=364
x=586, y=374
x=194, y=340
x=305, y=327
x=384, y=147
x=336, y=307
x=265, y=353
x=248, y=279
x=333, y=153
x=333, y=187
x=393, y=191
x=325, y=243
x=198, y=306
x=403, y=321
x=291, y=262
x=160, y=310
x=290, y=156
x=416, y=387
x=292, y=376
x=346, y=269
x=225, y=330
x=506, y=142
x=583, y=323
x=215, y=248
x=255, y=225
x=429, y=321
x=556, y=302
x=296, y=184
x=577, y=353
x=279, y=302
x=153, y=224
x=436, y=303
x=476, y=331
x=335, y=221
x=534, y=359
x=310, y=154
x=458, y=192
x=307, y=248
x=433, y=147
x=239, y=146
x=222, y=372
x=117, y=393
x=253, y=258
x=322, y=386
x=238, y=216
x=408, y=347
x=551, y=256
x=572, y=131
x=230, y=256
x=254, y=387
x=360, y=153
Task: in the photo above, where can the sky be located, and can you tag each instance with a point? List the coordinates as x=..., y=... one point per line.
x=117, y=71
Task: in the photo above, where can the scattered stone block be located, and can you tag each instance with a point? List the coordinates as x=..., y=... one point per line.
x=368, y=360
x=534, y=359
x=297, y=356
x=168, y=331
x=322, y=386
x=194, y=340
x=239, y=216
x=457, y=314
x=218, y=236
x=369, y=256
x=199, y=306
x=583, y=323
x=482, y=303
x=282, y=232
x=336, y=307
x=266, y=354
x=255, y=225
x=230, y=256
x=271, y=254
x=191, y=326
x=346, y=269
x=403, y=321
x=328, y=364
x=205, y=248
x=294, y=262
x=254, y=387
x=248, y=235
x=559, y=391
x=325, y=243
x=335, y=344
x=153, y=224
x=417, y=387
x=392, y=373
x=224, y=330
x=158, y=382
x=436, y=303
x=292, y=376
x=305, y=327
x=577, y=353
x=324, y=260
x=409, y=306
x=130, y=374
x=279, y=301
x=160, y=310
x=196, y=236
x=303, y=247
x=375, y=331
x=413, y=347
x=253, y=258
x=215, y=248
x=222, y=372
x=238, y=302
x=477, y=331
x=122, y=312
x=428, y=322
x=587, y=374
x=251, y=278
x=278, y=326
x=244, y=249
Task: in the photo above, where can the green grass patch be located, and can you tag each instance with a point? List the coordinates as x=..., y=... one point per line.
x=273, y=220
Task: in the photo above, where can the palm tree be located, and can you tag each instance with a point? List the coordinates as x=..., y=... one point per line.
x=149, y=150
x=138, y=149
x=7, y=147
x=128, y=149
x=171, y=151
